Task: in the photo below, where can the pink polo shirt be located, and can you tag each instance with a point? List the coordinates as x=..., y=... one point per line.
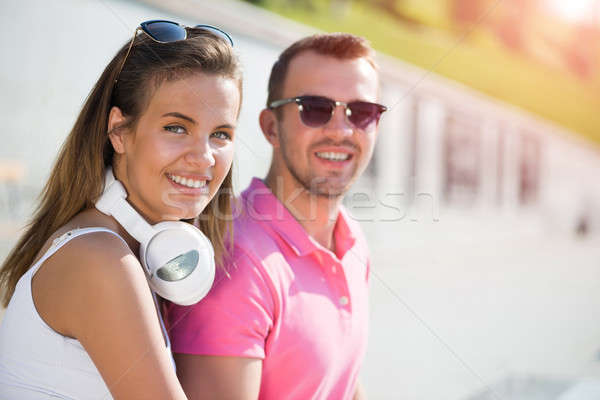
x=287, y=300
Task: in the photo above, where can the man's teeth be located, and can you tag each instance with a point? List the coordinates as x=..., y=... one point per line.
x=329, y=155
x=189, y=182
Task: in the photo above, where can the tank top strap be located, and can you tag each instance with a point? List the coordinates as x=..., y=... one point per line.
x=64, y=239
x=162, y=322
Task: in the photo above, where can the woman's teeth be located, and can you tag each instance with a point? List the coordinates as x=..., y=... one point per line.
x=189, y=182
x=331, y=156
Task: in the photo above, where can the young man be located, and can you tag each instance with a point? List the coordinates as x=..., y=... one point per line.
x=287, y=316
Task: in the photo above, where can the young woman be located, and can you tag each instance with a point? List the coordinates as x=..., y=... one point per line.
x=82, y=322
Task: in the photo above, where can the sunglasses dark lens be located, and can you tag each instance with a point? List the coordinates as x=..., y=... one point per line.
x=164, y=31
x=363, y=113
x=316, y=111
x=216, y=31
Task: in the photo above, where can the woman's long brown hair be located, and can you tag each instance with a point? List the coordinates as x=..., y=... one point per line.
x=77, y=177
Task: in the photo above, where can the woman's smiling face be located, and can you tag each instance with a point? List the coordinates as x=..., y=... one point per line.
x=181, y=149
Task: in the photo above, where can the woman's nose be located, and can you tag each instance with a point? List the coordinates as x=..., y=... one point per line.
x=201, y=153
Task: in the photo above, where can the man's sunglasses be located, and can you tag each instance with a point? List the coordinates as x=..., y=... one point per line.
x=316, y=111
x=163, y=31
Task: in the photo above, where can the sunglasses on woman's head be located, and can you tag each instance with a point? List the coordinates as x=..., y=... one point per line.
x=316, y=111
x=163, y=31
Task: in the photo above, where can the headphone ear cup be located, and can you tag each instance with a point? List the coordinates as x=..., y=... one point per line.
x=178, y=259
x=179, y=262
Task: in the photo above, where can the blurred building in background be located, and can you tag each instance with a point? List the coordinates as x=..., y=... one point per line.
x=483, y=220
x=464, y=151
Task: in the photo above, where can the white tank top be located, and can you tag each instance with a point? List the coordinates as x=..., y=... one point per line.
x=36, y=362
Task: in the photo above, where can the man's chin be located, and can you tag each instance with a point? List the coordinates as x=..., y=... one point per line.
x=331, y=185
x=330, y=196
x=330, y=191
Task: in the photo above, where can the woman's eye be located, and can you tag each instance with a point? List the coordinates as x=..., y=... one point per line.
x=175, y=129
x=221, y=135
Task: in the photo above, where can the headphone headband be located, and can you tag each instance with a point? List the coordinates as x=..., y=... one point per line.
x=113, y=202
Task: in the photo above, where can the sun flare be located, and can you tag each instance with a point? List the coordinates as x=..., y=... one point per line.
x=573, y=10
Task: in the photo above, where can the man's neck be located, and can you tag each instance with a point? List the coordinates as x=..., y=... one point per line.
x=316, y=214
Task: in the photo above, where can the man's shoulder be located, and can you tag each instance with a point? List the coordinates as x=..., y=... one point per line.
x=252, y=231
x=257, y=248
x=251, y=234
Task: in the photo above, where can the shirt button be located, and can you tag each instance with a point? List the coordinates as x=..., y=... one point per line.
x=333, y=269
x=343, y=300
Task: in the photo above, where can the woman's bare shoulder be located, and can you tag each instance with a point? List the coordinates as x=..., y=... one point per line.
x=96, y=252
x=82, y=275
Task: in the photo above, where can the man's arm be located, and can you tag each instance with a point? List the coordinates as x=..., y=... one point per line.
x=218, y=343
x=359, y=393
x=219, y=377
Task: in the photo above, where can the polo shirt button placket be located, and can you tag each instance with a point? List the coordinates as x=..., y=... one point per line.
x=340, y=284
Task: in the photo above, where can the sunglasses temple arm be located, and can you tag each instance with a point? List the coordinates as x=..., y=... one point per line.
x=126, y=55
x=279, y=103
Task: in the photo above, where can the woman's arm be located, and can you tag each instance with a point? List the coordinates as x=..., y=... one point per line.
x=95, y=290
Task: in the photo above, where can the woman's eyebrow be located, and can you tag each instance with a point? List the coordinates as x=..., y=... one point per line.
x=225, y=126
x=180, y=115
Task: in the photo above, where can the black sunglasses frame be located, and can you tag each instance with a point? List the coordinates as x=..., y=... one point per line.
x=333, y=103
x=145, y=27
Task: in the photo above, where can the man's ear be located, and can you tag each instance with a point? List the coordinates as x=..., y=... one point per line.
x=268, y=124
x=116, y=120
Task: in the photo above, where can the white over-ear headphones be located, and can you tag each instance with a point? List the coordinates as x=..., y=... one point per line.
x=177, y=258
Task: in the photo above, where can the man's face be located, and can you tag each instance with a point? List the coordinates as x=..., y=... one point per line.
x=326, y=160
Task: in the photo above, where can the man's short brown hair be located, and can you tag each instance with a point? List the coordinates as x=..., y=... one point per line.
x=343, y=46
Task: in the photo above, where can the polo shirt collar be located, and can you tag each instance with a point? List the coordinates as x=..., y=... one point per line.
x=260, y=203
x=342, y=234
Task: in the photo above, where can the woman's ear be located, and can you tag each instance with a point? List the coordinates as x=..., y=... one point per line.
x=268, y=124
x=116, y=120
